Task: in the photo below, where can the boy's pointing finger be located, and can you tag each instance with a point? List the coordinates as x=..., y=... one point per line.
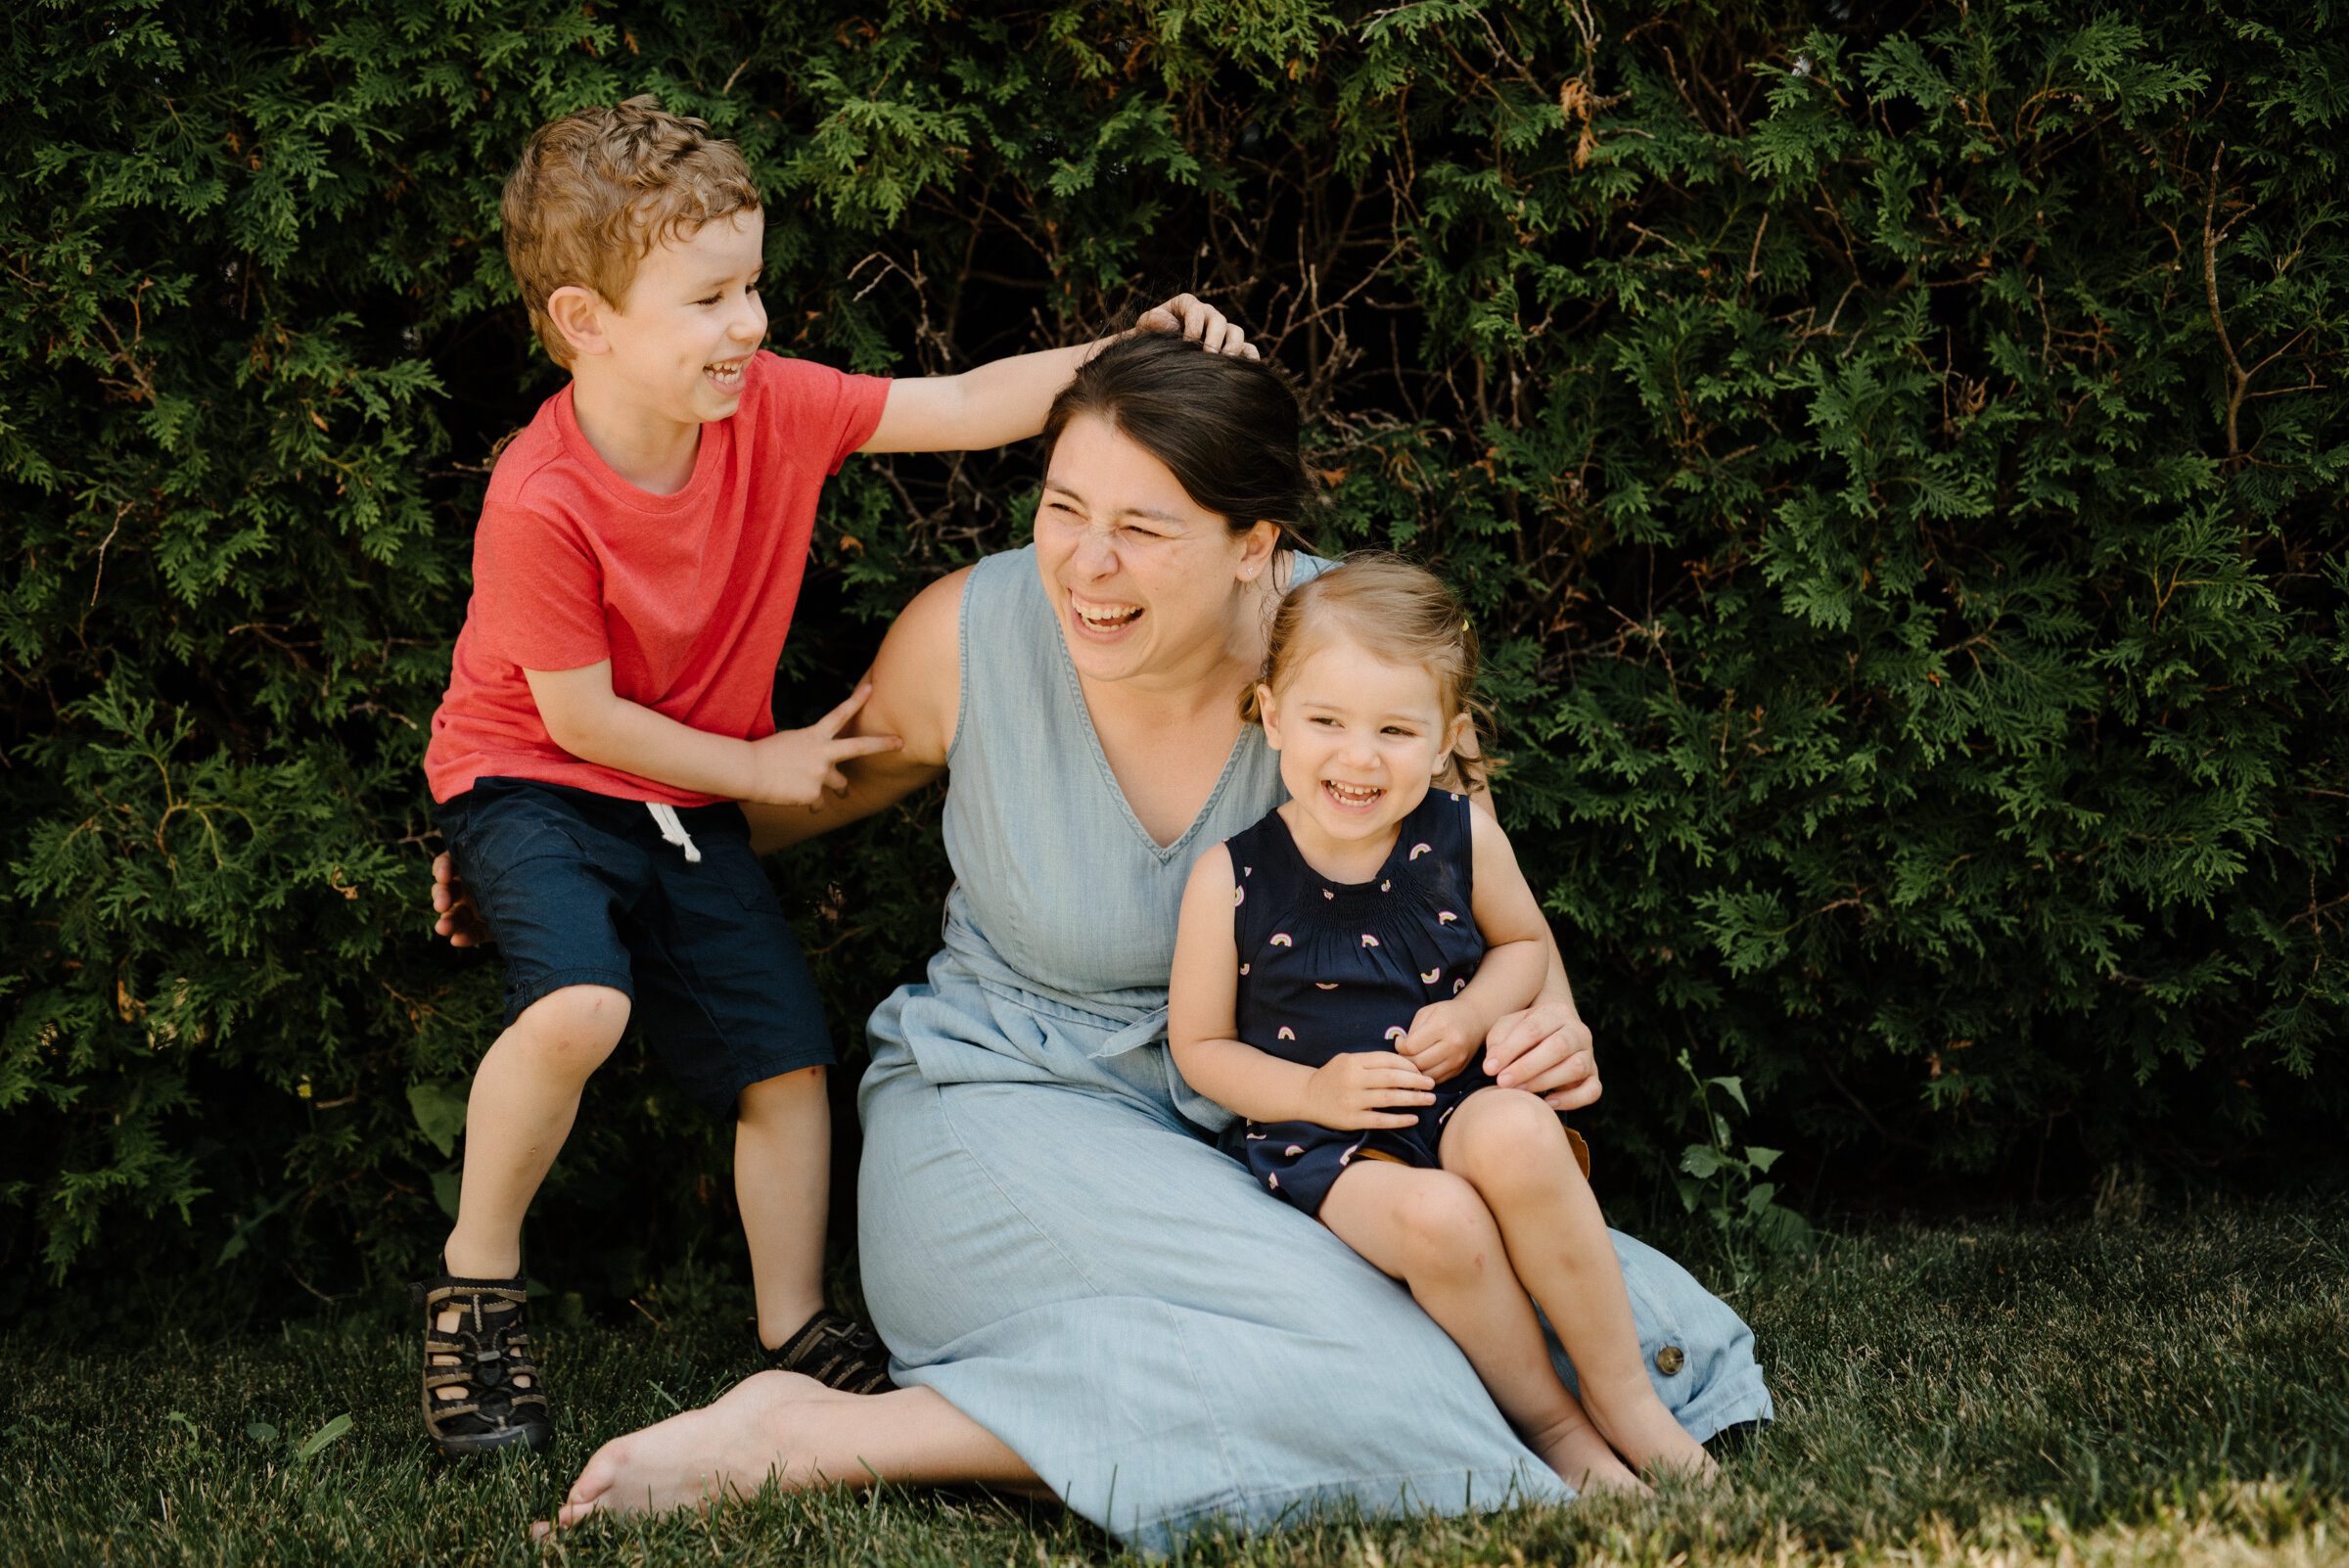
x=839, y=751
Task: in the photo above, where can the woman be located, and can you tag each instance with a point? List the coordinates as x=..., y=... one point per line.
x=1084, y=1295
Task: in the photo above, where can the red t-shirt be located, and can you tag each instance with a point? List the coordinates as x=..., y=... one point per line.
x=689, y=595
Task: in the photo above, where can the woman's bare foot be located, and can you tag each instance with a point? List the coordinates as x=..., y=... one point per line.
x=800, y=1433
x=1581, y=1457
x=731, y=1446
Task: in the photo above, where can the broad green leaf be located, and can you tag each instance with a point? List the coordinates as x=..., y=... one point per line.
x=331, y=1432
x=1782, y=1231
x=439, y=1109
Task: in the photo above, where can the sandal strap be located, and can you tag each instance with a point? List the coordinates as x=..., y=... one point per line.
x=836, y=1351
x=471, y=1341
x=482, y=1357
x=438, y=1289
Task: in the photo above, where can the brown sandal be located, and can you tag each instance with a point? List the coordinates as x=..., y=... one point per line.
x=836, y=1351
x=487, y=1357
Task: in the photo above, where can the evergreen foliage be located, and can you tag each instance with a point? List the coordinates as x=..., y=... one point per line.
x=1896, y=462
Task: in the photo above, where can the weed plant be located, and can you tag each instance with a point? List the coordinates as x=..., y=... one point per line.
x=2168, y=1391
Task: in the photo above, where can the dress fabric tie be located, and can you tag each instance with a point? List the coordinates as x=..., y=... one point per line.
x=673, y=831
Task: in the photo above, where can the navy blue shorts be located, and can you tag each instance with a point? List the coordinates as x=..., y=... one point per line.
x=1299, y=1162
x=580, y=890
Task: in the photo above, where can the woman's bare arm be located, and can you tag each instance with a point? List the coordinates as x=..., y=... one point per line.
x=917, y=696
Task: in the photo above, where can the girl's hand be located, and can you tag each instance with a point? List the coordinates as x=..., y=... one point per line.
x=1547, y=1050
x=1352, y=1090
x=1442, y=1036
x=796, y=767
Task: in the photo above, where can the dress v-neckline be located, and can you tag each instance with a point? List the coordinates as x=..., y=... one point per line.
x=1109, y=775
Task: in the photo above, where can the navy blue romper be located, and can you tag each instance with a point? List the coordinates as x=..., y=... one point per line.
x=1334, y=966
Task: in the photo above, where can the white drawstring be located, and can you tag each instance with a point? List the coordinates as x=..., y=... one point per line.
x=673, y=831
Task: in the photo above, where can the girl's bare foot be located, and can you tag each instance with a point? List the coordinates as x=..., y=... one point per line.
x=1581, y=1457
x=1651, y=1441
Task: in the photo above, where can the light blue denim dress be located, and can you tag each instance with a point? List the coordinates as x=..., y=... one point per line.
x=1049, y=1240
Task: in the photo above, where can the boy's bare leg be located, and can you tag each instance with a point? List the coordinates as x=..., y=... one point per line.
x=803, y=1434
x=1431, y=1230
x=782, y=1180
x=1513, y=1150
x=525, y=1095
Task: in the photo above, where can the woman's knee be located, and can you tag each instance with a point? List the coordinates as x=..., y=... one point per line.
x=571, y=1032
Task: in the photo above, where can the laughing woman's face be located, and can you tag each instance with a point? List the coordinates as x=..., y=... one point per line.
x=1145, y=581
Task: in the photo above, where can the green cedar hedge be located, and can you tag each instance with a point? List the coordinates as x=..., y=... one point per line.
x=1896, y=461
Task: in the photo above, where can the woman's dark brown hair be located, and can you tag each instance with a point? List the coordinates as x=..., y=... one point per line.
x=1227, y=428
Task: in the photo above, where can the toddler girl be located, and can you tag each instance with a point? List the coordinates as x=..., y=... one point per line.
x=1337, y=969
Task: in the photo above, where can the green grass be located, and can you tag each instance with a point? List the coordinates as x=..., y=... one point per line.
x=2174, y=1392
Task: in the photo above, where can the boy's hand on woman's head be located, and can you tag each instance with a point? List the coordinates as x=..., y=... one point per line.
x=1194, y=318
x=796, y=767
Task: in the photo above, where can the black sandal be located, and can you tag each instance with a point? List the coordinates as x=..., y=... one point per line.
x=838, y=1352
x=486, y=1357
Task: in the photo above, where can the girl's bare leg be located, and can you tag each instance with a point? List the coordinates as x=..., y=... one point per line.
x=799, y=1432
x=1512, y=1149
x=1429, y=1229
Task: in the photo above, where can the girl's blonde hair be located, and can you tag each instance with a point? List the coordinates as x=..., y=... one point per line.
x=1399, y=612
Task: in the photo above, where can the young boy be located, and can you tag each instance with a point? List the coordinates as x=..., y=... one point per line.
x=638, y=556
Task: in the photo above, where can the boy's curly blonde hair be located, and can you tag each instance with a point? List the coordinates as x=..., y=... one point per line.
x=598, y=189
x=1399, y=612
